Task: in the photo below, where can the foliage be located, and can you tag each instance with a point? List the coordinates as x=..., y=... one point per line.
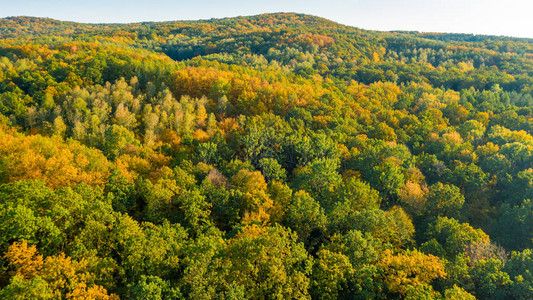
x=272, y=156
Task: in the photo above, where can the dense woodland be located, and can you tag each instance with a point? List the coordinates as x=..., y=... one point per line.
x=276, y=156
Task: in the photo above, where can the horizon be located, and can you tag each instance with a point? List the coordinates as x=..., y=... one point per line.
x=270, y=13
x=476, y=17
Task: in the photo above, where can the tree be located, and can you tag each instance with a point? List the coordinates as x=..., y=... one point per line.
x=331, y=275
x=21, y=289
x=201, y=116
x=153, y=288
x=410, y=268
x=257, y=262
x=59, y=126
x=252, y=194
x=515, y=225
x=25, y=260
x=304, y=216
x=54, y=277
x=318, y=178
x=124, y=117
x=444, y=200
x=394, y=227
x=491, y=282
x=389, y=178
x=470, y=178
x=263, y=137
x=281, y=196
x=413, y=198
x=454, y=236
x=520, y=270
x=472, y=130
x=272, y=251
x=116, y=139
x=207, y=153
x=363, y=252
x=272, y=170
x=355, y=194
x=59, y=163
x=457, y=293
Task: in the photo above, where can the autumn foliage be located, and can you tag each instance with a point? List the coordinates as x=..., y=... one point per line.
x=279, y=156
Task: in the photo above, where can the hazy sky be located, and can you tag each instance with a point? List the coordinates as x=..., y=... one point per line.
x=497, y=17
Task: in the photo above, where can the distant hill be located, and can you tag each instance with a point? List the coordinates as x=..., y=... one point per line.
x=283, y=36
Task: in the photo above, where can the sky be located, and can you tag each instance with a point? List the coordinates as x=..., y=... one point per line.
x=494, y=17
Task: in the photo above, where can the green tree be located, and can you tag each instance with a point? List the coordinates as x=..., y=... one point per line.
x=304, y=216
x=117, y=138
x=444, y=200
x=318, y=178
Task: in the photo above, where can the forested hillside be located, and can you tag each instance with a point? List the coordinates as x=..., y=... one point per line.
x=278, y=156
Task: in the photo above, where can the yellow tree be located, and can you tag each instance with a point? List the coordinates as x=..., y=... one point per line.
x=57, y=277
x=255, y=203
x=24, y=259
x=411, y=268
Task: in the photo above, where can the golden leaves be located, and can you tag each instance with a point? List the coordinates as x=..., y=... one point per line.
x=409, y=268
x=64, y=277
x=58, y=163
x=24, y=259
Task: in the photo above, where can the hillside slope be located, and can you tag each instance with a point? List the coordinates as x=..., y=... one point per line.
x=271, y=156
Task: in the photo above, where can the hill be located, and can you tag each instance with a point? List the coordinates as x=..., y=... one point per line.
x=271, y=156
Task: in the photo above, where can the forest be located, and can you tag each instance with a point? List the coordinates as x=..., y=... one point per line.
x=278, y=156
